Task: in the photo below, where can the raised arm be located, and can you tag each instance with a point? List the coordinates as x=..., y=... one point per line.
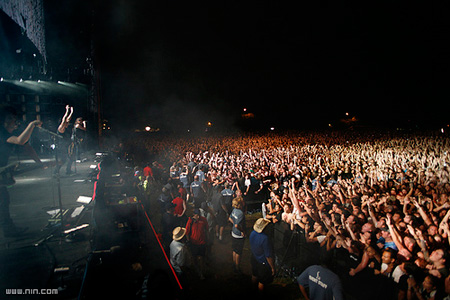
x=25, y=135
x=65, y=119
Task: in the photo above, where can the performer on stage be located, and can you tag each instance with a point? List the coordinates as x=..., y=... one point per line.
x=9, y=123
x=67, y=147
x=78, y=137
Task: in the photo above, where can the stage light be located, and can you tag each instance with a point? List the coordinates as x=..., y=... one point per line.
x=147, y=128
x=84, y=199
x=21, y=80
x=76, y=228
x=1, y=79
x=272, y=128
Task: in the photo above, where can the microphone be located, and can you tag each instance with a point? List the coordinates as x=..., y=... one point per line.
x=112, y=250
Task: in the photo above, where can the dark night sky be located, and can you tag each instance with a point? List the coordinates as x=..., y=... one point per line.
x=294, y=65
x=180, y=64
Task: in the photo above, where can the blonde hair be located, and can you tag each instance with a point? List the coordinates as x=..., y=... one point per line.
x=238, y=203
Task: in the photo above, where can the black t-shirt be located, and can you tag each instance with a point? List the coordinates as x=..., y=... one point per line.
x=5, y=147
x=78, y=135
x=65, y=141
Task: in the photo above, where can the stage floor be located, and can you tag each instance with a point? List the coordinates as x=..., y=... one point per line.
x=29, y=262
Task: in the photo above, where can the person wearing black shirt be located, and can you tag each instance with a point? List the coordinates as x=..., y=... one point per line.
x=9, y=123
x=65, y=148
x=78, y=137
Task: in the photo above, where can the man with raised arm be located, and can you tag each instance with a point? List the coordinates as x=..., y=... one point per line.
x=9, y=123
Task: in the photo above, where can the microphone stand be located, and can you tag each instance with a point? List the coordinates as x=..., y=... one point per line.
x=54, y=137
x=58, y=184
x=52, y=134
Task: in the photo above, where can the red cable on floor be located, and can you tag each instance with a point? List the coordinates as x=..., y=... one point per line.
x=162, y=248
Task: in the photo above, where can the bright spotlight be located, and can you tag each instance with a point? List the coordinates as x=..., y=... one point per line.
x=147, y=128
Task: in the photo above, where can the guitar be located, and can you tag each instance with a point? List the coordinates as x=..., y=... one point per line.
x=6, y=175
x=7, y=172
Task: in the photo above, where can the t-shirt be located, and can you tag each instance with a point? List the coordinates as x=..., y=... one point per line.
x=196, y=188
x=177, y=255
x=148, y=171
x=237, y=216
x=390, y=245
x=184, y=180
x=197, y=231
x=201, y=175
x=65, y=141
x=397, y=273
x=322, y=283
x=217, y=202
x=178, y=209
x=228, y=198
x=260, y=246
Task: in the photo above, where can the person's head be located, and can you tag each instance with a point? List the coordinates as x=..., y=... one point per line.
x=430, y=283
x=196, y=214
x=432, y=230
x=407, y=219
x=367, y=227
x=388, y=256
x=371, y=252
x=317, y=226
x=196, y=178
x=351, y=219
x=178, y=233
x=260, y=225
x=397, y=216
x=439, y=257
x=9, y=118
x=287, y=208
x=385, y=233
x=409, y=242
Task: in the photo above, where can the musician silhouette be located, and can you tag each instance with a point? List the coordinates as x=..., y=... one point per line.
x=8, y=124
x=67, y=146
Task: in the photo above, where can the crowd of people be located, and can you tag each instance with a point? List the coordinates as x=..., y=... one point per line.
x=377, y=203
